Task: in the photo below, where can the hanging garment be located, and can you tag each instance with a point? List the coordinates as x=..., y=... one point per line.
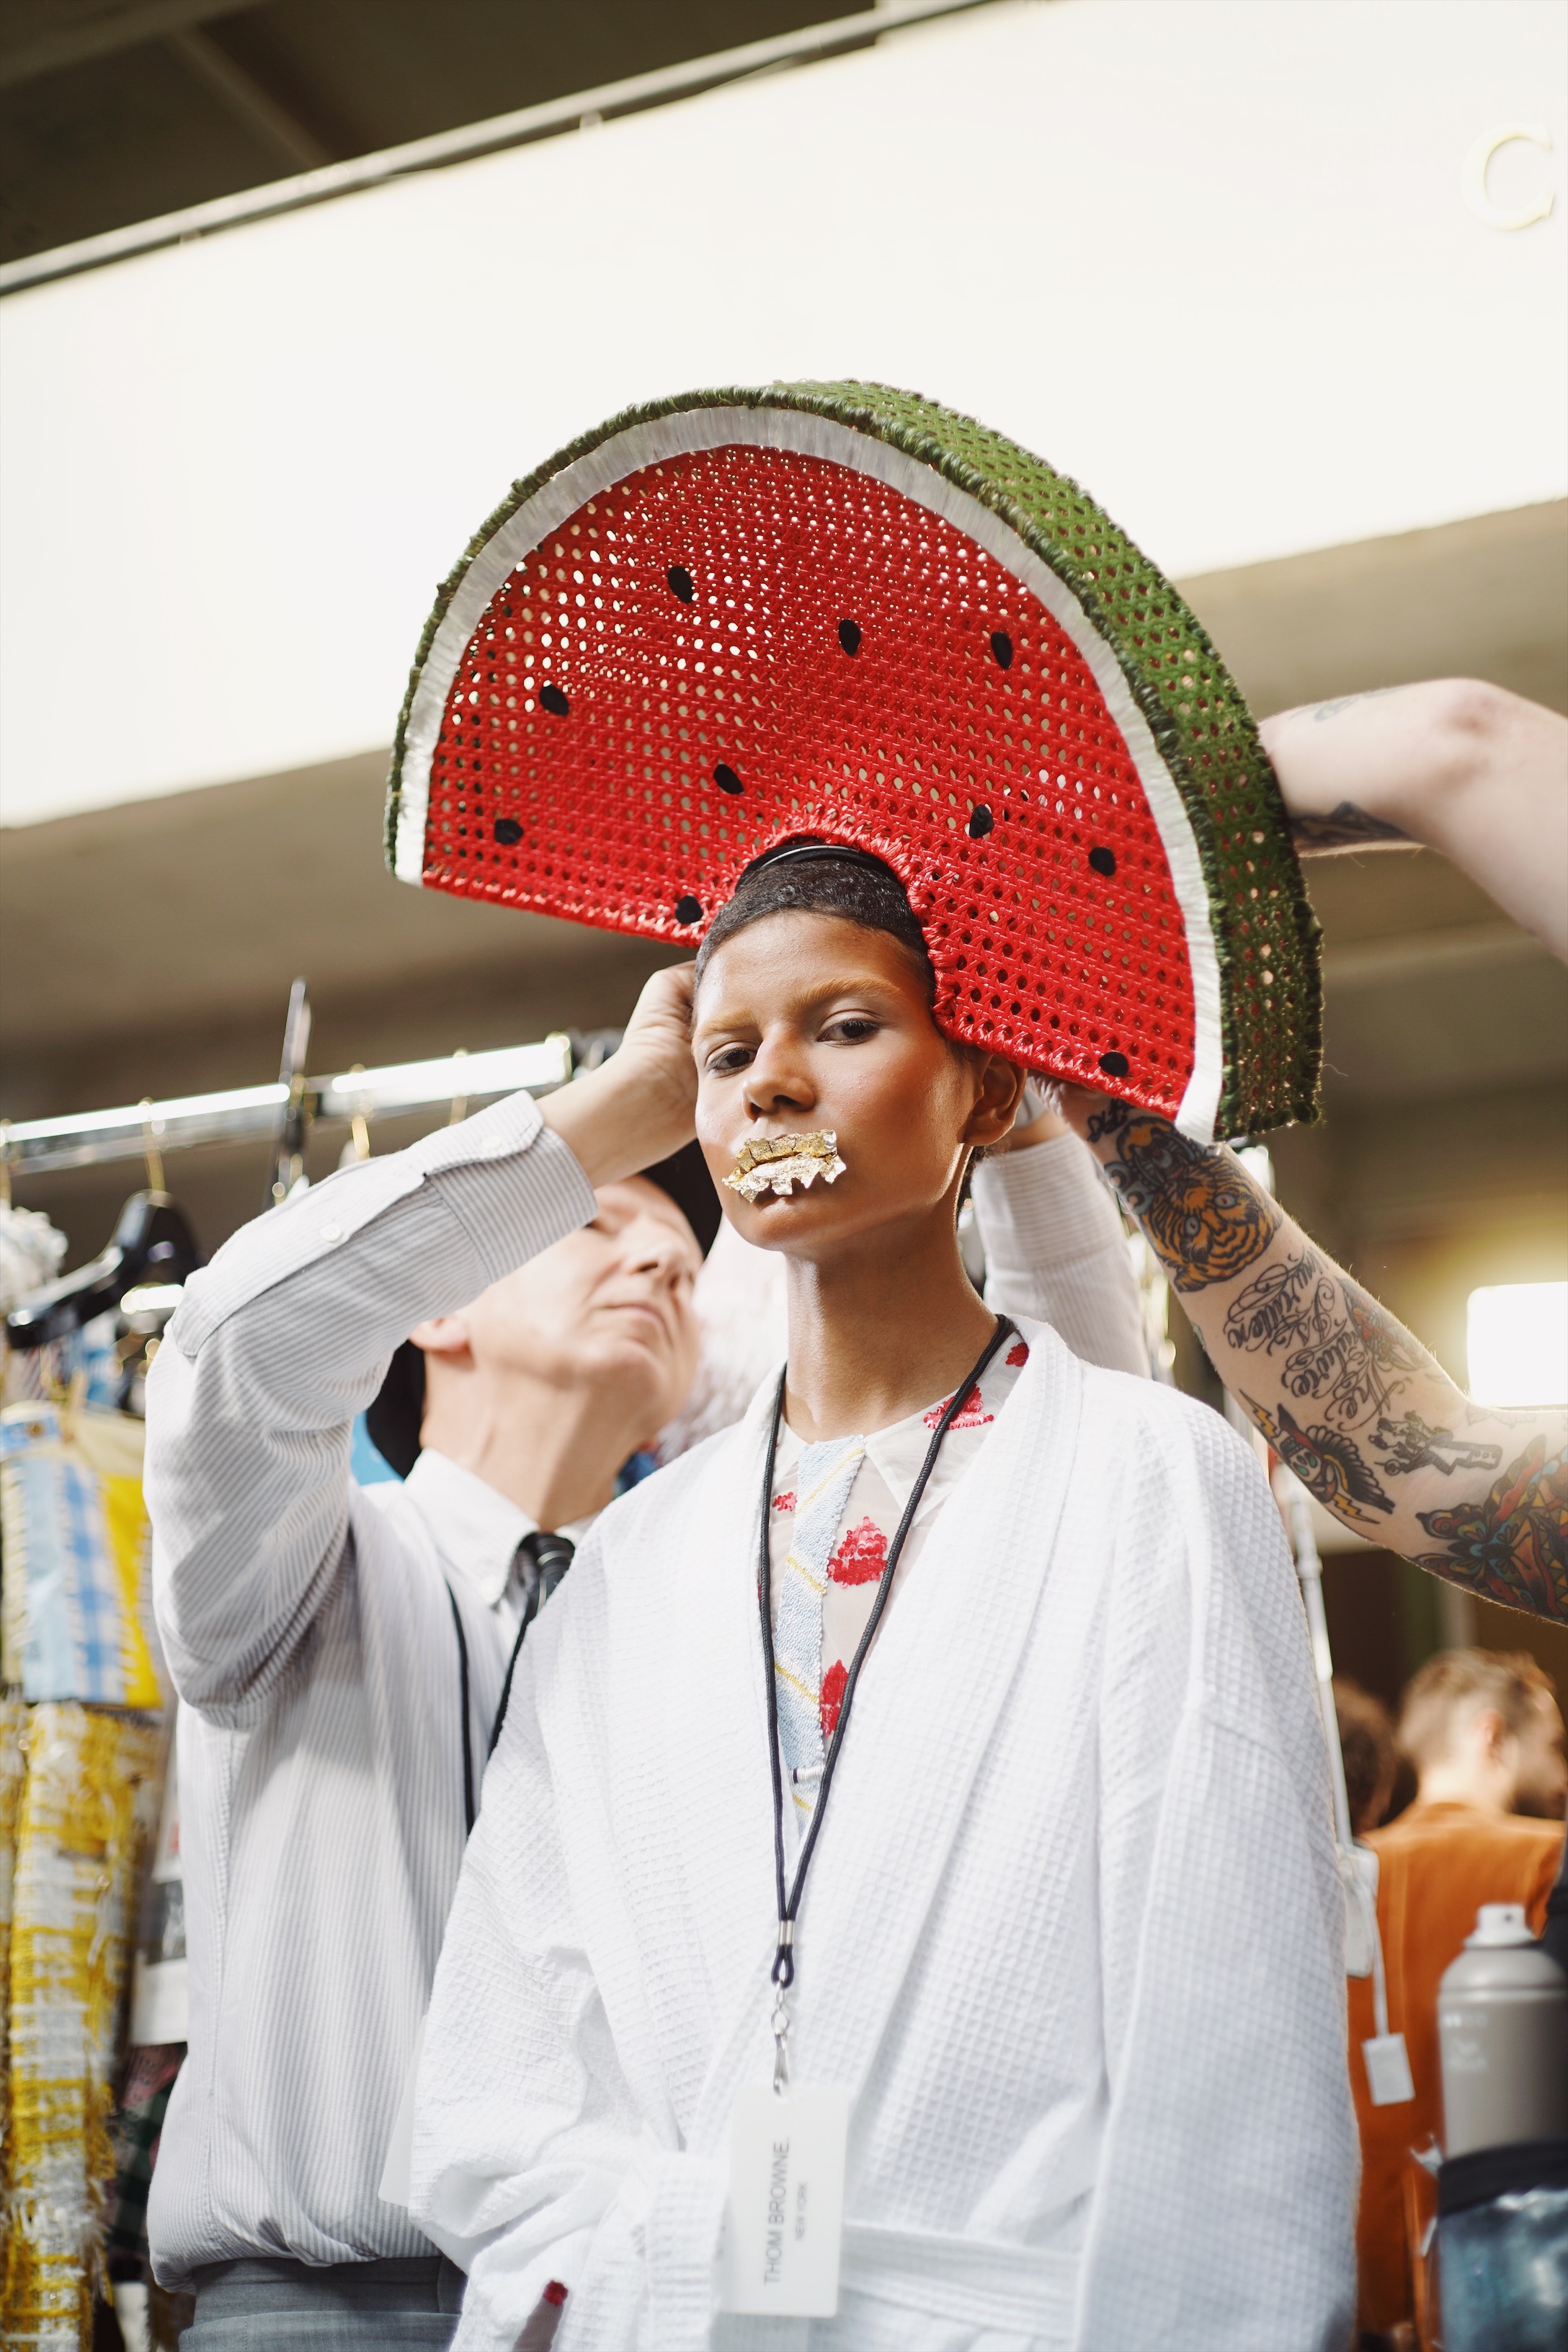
x=13, y=1774
x=85, y=1811
x=1072, y=1942
x=77, y=1596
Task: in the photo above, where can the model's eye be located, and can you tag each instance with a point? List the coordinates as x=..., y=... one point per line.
x=850, y=1029
x=727, y=1059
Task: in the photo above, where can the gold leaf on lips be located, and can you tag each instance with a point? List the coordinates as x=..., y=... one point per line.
x=773, y=1163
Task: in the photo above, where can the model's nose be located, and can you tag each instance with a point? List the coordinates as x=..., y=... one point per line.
x=777, y=1082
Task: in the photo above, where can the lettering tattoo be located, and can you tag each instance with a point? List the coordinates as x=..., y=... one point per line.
x=1346, y=827
x=1329, y=1465
x=1340, y=1348
x=1408, y=1445
x=1513, y=1544
x=1203, y=1216
x=1320, y=1343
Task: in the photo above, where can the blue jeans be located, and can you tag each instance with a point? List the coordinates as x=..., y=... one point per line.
x=285, y=2306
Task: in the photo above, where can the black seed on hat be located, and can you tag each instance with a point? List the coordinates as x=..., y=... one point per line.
x=1115, y=1065
x=508, y=831
x=552, y=698
x=689, y=910
x=980, y=823
x=1002, y=647
x=850, y=635
x=681, y=582
x=727, y=780
x=1103, y=861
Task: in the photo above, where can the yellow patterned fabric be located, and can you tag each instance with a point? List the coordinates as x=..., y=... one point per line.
x=88, y=1808
x=13, y=1769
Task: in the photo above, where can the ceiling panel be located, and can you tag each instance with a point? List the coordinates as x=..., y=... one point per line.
x=114, y=114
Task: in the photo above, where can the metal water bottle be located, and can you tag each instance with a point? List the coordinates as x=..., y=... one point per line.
x=1502, y=2028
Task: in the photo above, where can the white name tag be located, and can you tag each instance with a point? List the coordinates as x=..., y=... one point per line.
x=786, y=2215
x=1388, y=2069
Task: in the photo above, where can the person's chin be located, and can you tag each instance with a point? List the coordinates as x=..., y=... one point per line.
x=769, y=1220
x=631, y=1345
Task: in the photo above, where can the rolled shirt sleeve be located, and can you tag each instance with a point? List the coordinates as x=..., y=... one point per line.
x=1056, y=1250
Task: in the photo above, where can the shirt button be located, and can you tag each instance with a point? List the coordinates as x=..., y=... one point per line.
x=331, y=1233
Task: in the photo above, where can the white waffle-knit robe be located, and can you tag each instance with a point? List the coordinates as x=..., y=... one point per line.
x=1072, y=1937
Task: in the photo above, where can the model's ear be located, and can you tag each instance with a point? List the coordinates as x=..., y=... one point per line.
x=998, y=1094
x=443, y=1335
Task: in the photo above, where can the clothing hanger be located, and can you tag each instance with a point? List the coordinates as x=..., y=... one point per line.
x=292, y=1132
x=152, y=1241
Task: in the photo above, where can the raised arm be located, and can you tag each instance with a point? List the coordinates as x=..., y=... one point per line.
x=286, y=1336
x=1368, y=1420
x=1453, y=765
x=1056, y=1248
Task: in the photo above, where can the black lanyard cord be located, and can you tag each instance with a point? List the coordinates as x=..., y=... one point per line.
x=549, y=1555
x=530, y=1606
x=467, y=1735
x=788, y=1908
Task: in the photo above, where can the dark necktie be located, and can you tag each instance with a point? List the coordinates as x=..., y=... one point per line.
x=540, y=1559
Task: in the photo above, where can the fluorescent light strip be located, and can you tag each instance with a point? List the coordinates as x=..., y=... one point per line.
x=245, y=1113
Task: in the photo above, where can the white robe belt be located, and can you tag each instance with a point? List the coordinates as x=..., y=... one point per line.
x=675, y=2201
x=982, y=2281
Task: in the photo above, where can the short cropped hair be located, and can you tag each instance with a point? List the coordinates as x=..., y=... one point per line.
x=861, y=890
x=1457, y=1684
x=1366, y=1744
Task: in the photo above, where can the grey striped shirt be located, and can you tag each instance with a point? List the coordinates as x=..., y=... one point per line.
x=309, y=1630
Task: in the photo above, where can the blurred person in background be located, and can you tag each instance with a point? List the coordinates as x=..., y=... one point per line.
x=343, y=1652
x=1366, y=1745
x=1485, y=1735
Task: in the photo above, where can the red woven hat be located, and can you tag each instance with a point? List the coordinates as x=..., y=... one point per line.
x=738, y=618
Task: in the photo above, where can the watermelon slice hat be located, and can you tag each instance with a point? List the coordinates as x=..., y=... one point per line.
x=838, y=612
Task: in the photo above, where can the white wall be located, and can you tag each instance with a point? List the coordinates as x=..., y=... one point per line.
x=1209, y=256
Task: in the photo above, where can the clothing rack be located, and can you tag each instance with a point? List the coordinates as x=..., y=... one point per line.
x=251, y=1114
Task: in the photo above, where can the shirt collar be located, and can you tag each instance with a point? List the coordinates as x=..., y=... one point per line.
x=474, y=1527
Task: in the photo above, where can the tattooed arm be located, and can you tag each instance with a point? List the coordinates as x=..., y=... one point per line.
x=1367, y=1420
x=1458, y=766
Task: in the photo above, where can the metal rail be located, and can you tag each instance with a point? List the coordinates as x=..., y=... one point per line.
x=251, y=1114
x=583, y=110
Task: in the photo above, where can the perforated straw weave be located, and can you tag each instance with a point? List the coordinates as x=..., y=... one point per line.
x=842, y=612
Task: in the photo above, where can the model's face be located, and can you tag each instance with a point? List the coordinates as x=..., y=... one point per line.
x=610, y=1303
x=1543, y=1780
x=804, y=1022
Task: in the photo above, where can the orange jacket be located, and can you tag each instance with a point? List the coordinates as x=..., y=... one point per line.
x=1437, y=1863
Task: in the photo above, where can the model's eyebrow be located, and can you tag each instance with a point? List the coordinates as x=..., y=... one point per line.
x=810, y=999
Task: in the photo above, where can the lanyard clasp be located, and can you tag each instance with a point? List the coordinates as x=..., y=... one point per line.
x=783, y=1977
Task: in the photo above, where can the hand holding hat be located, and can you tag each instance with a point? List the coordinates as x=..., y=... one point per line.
x=638, y=1106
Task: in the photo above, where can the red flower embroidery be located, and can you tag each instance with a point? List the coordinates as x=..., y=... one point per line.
x=832, y=1700
x=1019, y=1353
x=970, y=1414
x=784, y=1502
x=861, y=1556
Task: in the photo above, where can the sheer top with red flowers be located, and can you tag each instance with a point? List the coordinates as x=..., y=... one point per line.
x=836, y=1508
